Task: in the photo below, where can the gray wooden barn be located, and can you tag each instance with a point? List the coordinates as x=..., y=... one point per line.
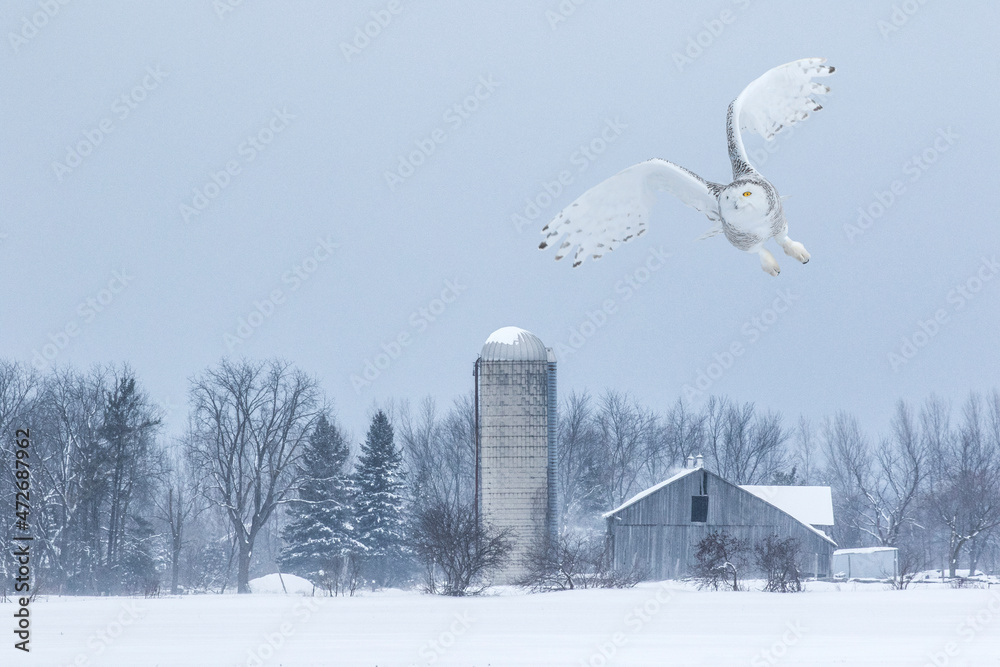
x=660, y=527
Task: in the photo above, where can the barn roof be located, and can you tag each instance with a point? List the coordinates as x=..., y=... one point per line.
x=687, y=471
x=808, y=504
x=653, y=489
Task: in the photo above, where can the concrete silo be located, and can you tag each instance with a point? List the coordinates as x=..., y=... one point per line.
x=516, y=426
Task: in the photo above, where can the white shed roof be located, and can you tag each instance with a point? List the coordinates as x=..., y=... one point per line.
x=808, y=504
x=864, y=550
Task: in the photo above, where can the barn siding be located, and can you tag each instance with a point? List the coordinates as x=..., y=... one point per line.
x=657, y=529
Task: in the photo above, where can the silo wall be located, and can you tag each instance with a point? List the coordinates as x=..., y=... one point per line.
x=515, y=453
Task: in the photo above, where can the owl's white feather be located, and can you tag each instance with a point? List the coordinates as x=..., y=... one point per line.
x=617, y=210
x=778, y=99
x=748, y=210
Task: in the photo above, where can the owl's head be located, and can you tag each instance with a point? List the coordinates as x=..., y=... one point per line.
x=742, y=195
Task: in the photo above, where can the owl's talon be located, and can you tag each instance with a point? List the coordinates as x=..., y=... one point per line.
x=796, y=250
x=768, y=263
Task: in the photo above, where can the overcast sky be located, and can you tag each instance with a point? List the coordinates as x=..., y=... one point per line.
x=188, y=180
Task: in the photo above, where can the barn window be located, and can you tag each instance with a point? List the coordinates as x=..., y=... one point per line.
x=699, y=509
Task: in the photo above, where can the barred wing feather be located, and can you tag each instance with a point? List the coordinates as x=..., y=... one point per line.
x=779, y=98
x=617, y=209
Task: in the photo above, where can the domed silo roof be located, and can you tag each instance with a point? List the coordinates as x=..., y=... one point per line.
x=513, y=344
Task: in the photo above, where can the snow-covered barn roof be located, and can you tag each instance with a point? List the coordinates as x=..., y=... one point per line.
x=653, y=489
x=801, y=506
x=808, y=504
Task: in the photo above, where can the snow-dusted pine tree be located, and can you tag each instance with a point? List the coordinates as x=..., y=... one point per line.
x=319, y=538
x=379, y=500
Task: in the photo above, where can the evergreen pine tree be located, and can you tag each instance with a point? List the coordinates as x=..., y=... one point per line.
x=319, y=537
x=379, y=499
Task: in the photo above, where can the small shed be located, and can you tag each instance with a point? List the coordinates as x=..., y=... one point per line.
x=660, y=528
x=867, y=563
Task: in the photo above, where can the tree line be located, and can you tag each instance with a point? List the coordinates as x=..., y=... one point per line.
x=264, y=478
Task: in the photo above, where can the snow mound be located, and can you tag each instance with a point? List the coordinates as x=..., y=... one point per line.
x=271, y=583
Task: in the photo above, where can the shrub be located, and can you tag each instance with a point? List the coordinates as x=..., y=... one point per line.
x=565, y=563
x=450, y=542
x=777, y=559
x=606, y=575
x=576, y=559
x=721, y=561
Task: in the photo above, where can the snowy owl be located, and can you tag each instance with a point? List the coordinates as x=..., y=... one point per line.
x=748, y=210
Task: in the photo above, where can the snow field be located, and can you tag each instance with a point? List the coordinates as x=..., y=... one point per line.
x=653, y=624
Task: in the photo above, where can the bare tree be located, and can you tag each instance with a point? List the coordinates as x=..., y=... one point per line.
x=803, y=454
x=440, y=452
x=579, y=465
x=248, y=422
x=207, y=555
x=450, y=540
x=667, y=440
x=623, y=428
x=965, y=488
x=989, y=510
x=96, y=468
x=66, y=465
x=577, y=558
x=878, y=486
x=566, y=563
x=744, y=447
x=18, y=393
x=615, y=448
x=179, y=502
x=18, y=389
x=902, y=464
x=847, y=454
x=418, y=437
x=684, y=434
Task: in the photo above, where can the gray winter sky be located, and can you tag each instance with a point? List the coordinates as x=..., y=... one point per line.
x=187, y=180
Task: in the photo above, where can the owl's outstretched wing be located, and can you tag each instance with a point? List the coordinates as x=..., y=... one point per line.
x=779, y=98
x=616, y=210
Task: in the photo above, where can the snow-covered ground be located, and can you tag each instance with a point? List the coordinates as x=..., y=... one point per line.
x=653, y=624
x=281, y=583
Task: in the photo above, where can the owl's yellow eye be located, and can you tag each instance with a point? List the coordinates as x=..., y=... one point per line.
x=746, y=194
